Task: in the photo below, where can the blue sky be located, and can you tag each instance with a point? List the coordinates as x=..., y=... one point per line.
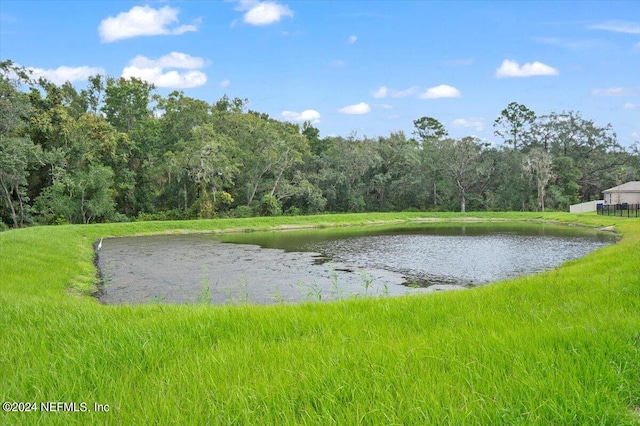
x=369, y=67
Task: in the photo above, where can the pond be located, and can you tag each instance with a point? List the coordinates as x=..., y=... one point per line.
x=329, y=264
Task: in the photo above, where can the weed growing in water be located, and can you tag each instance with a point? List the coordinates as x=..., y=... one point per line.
x=313, y=291
x=413, y=284
x=241, y=297
x=277, y=297
x=204, y=296
x=336, y=291
x=366, y=281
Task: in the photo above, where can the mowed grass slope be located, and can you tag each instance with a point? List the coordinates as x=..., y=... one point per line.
x=562, y=347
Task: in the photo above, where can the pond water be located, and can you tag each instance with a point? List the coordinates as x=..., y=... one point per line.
x=329, y=264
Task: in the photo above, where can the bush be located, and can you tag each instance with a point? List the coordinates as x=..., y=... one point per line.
x=269, y=206
x=412, y=210
x=120, y=217
x=293, y=211
x=173, y=214
x=242, y=211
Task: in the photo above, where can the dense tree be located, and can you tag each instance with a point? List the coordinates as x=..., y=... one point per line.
x=395, y=179
x=565, y=189
x=127, y=101
x=18, y=154
x=268, y=149
x=430, y=133
x=210, y=162
x=116, y=150
x=78, y=196
x=94, y=93
x=594, y=149
x=81, y=171
x=429, y=129
x=538, y=164
x=513, y=125
x=464, y=165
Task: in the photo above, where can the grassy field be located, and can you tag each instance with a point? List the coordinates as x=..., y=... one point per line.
x=562, y=347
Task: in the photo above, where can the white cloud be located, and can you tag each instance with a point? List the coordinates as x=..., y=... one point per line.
x=338, y=63
x=153, y=70
x=476, y=123
x=63, y=74
x=142, y=21
x=383, y=92
x=307, y=115
x=353, y=39
x=530, y=69
x=263, y=13
x=224, y=83
x=172, y=60
x=356, y=109
x=170, y=79
x=441, y=91
x=637, y=45
x=629, y=105
x=618, y=27
x=613, y=91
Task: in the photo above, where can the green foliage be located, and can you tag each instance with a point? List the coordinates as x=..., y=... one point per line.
x=269, y=206
x=538, y=165
x=514, y=125
x=429, y=129
x=120, y=218
x=18, y=154
x=173, y=214
x=242, y=211
x=463, y=163
x=193, y=159
x=78, y=196
x=126, y=101
x=293, y=211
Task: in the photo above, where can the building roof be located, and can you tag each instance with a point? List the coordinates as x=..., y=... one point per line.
x=633, y=186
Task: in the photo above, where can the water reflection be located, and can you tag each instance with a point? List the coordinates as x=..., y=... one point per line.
x=294, y=266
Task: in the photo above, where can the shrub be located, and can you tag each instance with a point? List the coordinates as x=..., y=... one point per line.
x=269, y=206
x=173, y=214
x=242, y=211
x=119, y=217
x=293, y=211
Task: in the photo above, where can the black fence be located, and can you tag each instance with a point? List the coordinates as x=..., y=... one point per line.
x=624, y=209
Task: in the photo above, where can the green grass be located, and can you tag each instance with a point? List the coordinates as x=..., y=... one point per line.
x=562, y=347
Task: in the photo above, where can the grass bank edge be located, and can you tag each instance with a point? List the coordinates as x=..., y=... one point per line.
x=64, y=256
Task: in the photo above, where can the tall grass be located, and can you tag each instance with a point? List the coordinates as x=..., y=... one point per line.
x=562, y=347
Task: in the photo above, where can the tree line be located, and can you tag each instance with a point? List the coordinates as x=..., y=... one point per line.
x=118, y=151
